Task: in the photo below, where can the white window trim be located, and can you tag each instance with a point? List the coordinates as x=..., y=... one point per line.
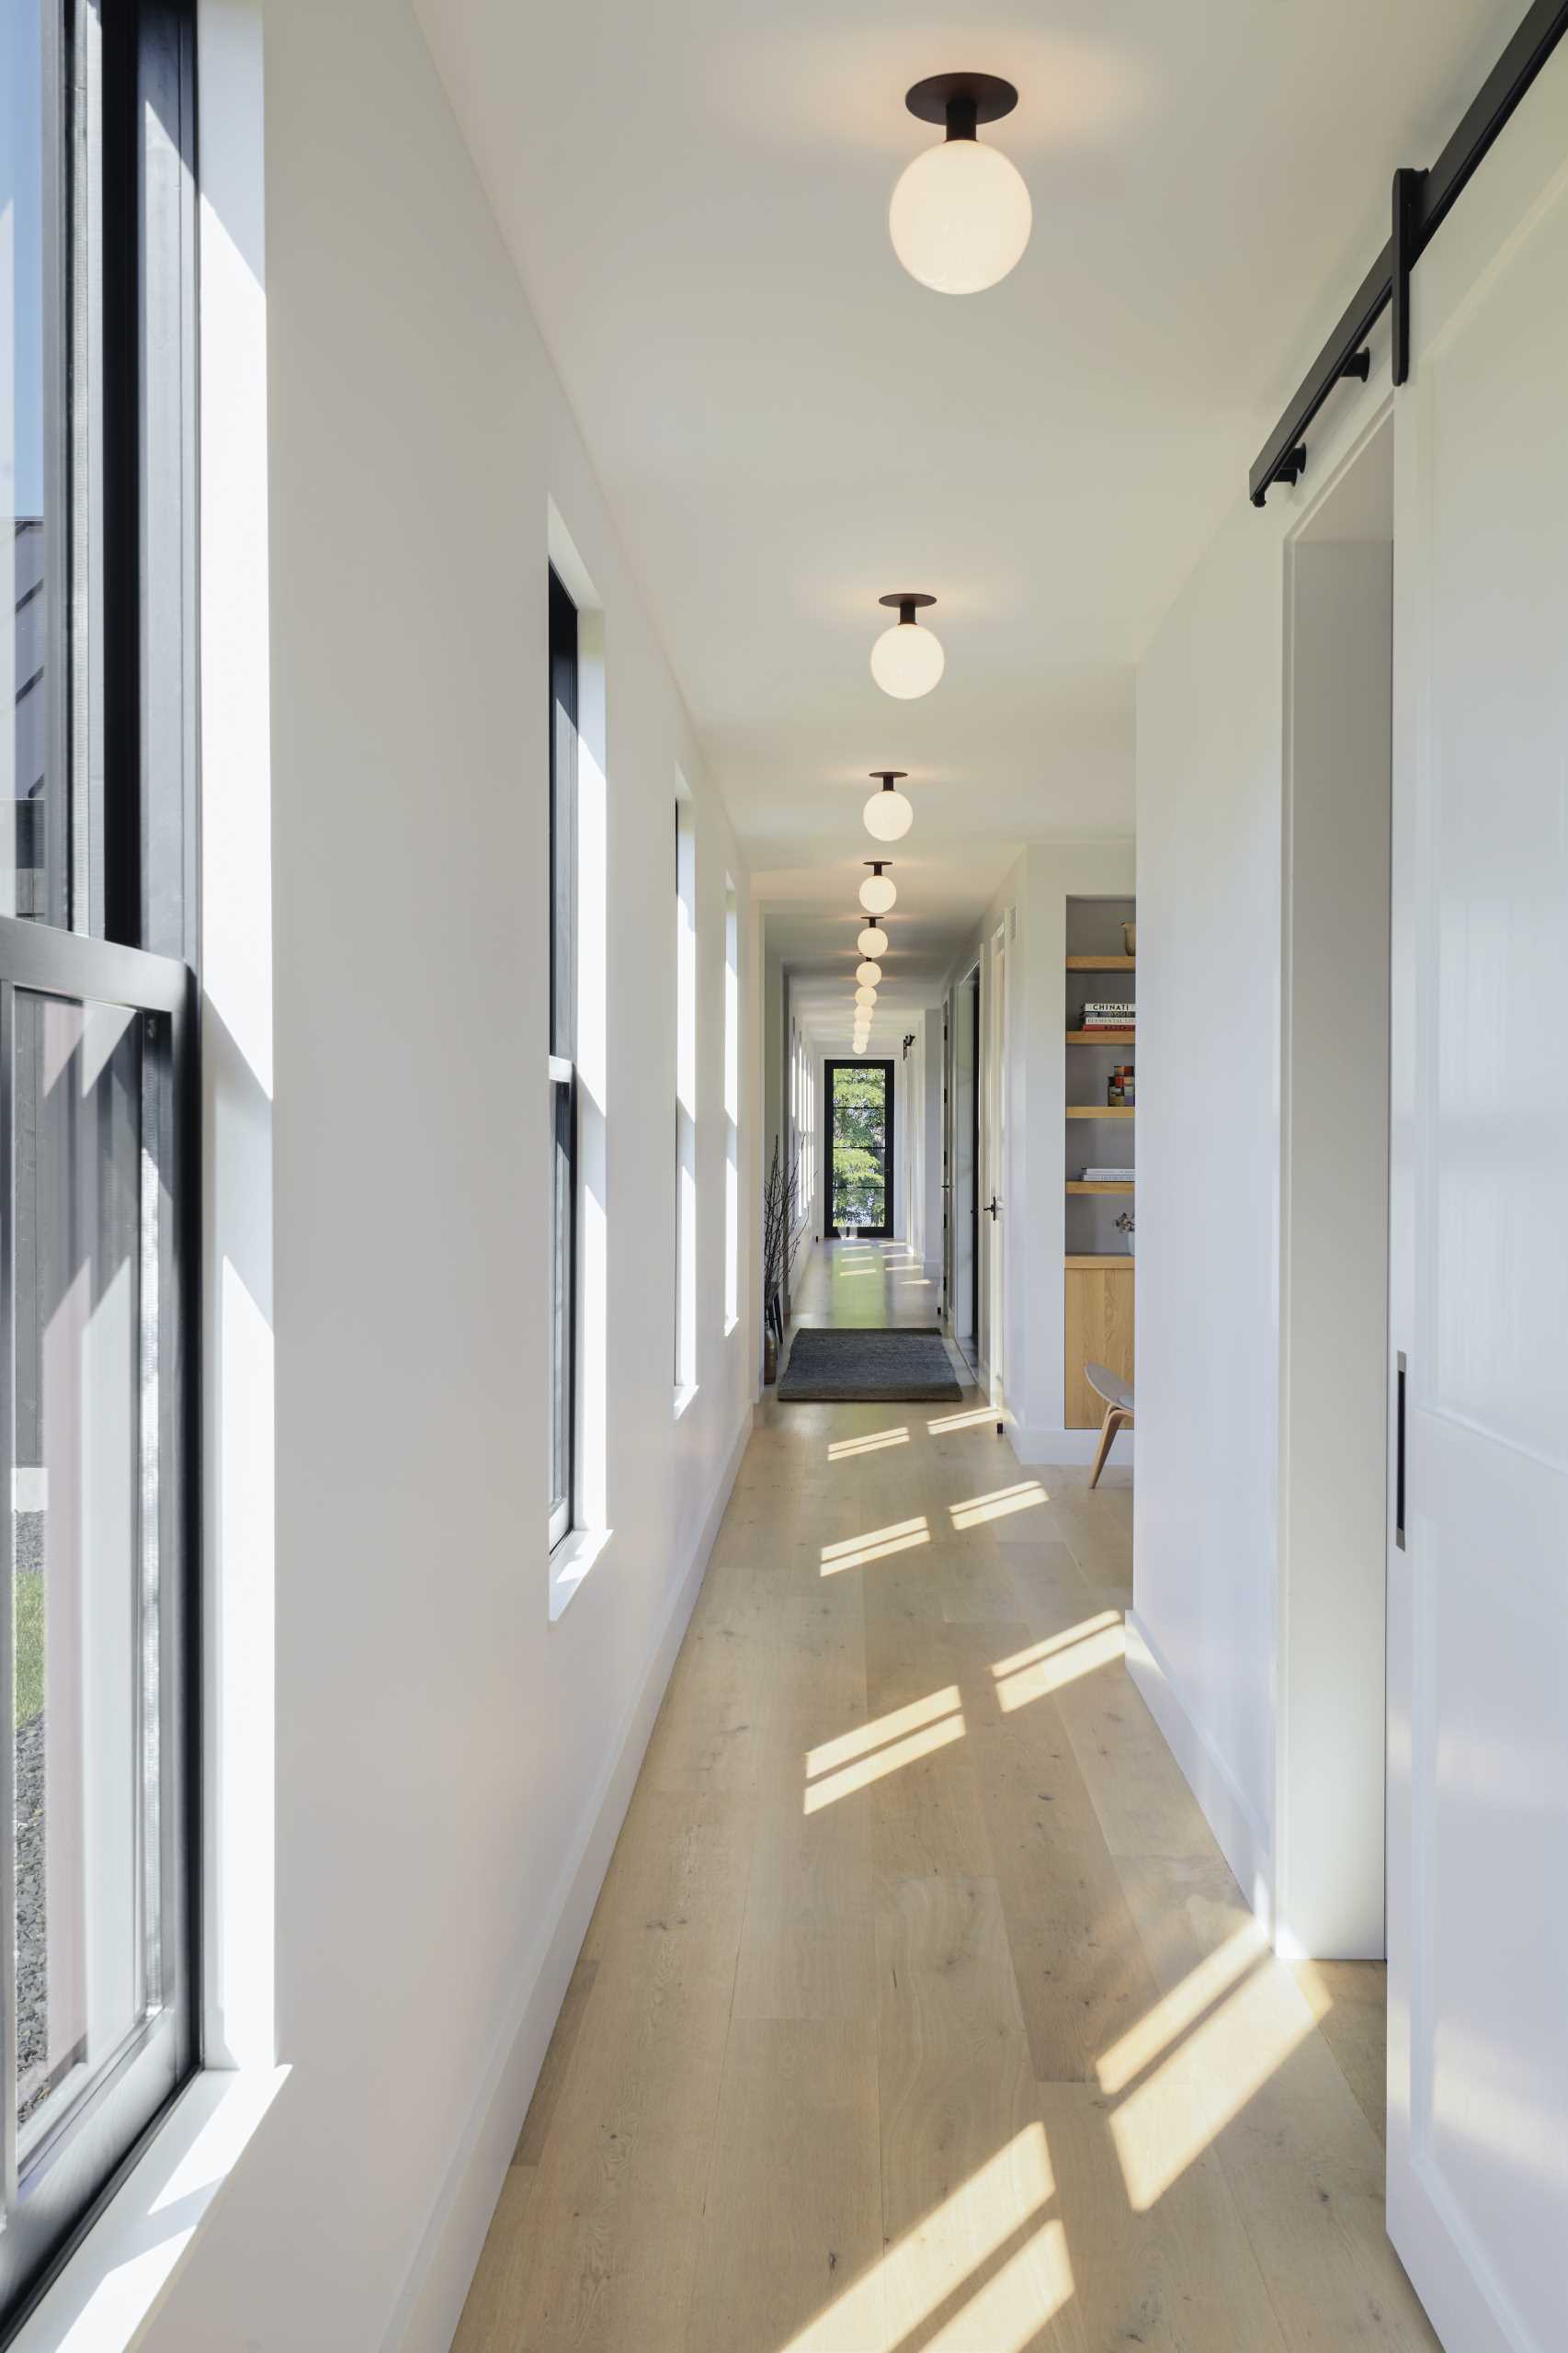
x=570, y=1562
x=107, y=2292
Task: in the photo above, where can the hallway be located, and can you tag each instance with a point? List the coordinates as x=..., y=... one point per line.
x=919, y=2011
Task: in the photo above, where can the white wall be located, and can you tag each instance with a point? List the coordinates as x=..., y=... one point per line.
x=1211, y=847
x=450, y=1765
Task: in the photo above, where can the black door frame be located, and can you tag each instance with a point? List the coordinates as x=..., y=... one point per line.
x=861, y=1063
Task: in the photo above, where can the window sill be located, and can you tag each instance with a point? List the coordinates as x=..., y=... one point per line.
x=570, y=1564
x=102, y=2299
x=683, y=1396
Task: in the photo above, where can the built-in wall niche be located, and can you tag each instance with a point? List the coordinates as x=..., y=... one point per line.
x=1101, y=973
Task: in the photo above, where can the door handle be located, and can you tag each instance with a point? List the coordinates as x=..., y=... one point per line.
x=992, y=1206
x=1399, y=1455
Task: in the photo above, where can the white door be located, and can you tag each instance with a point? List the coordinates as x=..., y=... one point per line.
x=994, y=1148
x=1478, y=1596
x=964, y=1197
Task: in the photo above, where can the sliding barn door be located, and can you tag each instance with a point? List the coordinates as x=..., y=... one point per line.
x=1478, y=1649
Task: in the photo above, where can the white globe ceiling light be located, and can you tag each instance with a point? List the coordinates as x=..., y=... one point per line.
x=961, y=216
x=865, y=996
x=889, y=815
x=906, y=660
x=878, y=895
x=867, y=973
x=872, y=941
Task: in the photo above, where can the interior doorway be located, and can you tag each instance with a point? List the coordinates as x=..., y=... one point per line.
x=1330, y=1862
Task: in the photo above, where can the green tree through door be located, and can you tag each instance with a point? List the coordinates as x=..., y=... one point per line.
x=860, y=1127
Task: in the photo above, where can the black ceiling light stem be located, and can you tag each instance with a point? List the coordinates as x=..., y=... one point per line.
x=1423, y=201
x=907, y=602
x=876, y=865
x=963, y=118
x=890, y=776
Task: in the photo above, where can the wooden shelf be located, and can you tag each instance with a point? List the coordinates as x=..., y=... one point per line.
x=1076, y=1185
x=1102, y=1261
x=1102, y=1037
x=1102, y=963
x=1101, y=1110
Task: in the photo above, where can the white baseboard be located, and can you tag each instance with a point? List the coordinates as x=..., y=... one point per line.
x=428, y=2310
x=1243, y=1837
x=1070, y=1446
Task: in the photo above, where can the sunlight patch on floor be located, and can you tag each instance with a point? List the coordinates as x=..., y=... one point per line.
x=893, y=1726
x=845, y=1449
x=1048, y=1667
x=1166, y=2123
x=958, y=2281
x=1180, y=2010
x=973, y=1420
x=1027, y=1494
x=854, y=1551
x=884, y=1761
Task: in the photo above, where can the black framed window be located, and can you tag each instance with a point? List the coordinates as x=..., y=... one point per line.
x=563, y=1055
x=860, y=1146
x=97, y=1013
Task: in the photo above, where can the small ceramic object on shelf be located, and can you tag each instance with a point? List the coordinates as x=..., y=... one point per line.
x=1129, y=939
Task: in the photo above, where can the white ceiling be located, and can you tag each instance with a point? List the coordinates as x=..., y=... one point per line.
x=787, y=425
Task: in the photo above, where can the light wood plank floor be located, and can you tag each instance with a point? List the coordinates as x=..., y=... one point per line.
x=919, y=2013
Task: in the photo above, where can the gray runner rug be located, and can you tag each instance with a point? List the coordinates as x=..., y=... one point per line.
x=836, y=1366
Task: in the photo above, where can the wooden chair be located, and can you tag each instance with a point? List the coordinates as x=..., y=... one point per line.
x=1117, y=1396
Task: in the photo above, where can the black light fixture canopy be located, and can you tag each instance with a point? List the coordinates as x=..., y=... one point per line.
x=960, y=101
x=890, y=776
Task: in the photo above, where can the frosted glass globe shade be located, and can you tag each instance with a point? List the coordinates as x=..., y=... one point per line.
x=877, y=894
x=889, y=815
x=906, y=660
x=860, y=1045
x=866, y=995
x=873, y=941
x=959, y=217
x=868, y=974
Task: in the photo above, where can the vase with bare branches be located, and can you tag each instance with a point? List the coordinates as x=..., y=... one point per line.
x=779, y=1203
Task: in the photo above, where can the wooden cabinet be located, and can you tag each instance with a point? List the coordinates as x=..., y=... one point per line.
x=1099, y=1331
